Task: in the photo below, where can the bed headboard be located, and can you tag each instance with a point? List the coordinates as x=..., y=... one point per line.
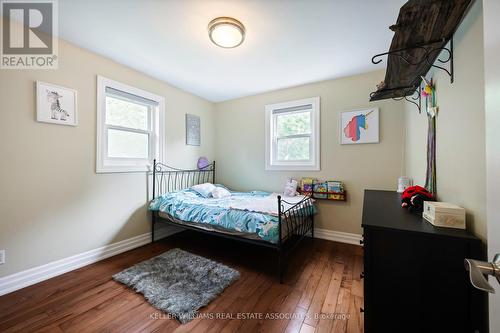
x=169, y=179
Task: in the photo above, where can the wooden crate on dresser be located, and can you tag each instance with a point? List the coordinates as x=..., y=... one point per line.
x=414, y=276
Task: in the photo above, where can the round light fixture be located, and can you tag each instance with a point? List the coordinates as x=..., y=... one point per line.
x=226, y=32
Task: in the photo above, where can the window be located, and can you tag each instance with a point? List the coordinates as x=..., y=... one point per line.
x=129, y=127
x=292, y=135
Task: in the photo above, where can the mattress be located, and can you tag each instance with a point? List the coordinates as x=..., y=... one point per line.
x=253, y=215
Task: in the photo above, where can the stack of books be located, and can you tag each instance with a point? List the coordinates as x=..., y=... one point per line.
x=335, y=186
x=329, y=189
x=306, y=185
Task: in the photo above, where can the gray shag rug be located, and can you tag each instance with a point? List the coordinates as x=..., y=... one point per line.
x=178, y=282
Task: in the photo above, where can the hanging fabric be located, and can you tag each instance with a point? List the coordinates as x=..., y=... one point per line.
x=429, y=93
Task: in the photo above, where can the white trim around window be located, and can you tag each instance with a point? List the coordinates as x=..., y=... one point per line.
x=273, y=111
x=154, y=130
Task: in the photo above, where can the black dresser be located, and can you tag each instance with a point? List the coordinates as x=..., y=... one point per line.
x=414, y=276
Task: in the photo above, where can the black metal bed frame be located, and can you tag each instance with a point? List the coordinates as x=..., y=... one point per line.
x=295, y=222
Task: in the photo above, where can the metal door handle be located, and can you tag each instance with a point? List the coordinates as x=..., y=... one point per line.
x=479, y=271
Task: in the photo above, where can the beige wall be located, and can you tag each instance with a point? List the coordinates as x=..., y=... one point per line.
x=240, y=138
x=52, y=203
x=460, y=130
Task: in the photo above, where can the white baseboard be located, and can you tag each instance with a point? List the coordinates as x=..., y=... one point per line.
x=34, y=275
x=337, y=236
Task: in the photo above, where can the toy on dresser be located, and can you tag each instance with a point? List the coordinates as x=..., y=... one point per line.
x=414, y=197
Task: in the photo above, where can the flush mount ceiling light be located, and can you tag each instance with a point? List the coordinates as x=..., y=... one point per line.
x=226, y=32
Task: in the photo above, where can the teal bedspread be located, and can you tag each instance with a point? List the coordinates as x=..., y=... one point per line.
x=188, y=205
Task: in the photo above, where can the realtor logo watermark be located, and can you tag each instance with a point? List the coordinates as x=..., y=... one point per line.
x=29, y=34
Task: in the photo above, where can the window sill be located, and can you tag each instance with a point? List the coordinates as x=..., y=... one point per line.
x=293, y=168
x=122, y=169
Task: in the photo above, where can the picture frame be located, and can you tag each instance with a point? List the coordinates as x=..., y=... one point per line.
x=193, y=135
x=56, y=104
x=359, y=126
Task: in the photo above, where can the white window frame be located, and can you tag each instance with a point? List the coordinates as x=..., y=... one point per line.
x=271, y=139
x=105, y=164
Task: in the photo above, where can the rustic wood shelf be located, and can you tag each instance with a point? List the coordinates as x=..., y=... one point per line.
x=422, y=33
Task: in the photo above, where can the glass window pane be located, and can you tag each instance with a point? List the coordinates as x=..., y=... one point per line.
x=124, y=113
x=293, y=123
x=127, y=144
x=293, y=149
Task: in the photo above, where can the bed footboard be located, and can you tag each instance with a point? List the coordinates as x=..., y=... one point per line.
x=295, y=223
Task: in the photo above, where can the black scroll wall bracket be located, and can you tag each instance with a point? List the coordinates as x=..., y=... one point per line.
x=429, y=53
x=414, y=99
x=410, y=94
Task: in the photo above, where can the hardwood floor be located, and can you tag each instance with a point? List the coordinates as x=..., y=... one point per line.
x=322, y=292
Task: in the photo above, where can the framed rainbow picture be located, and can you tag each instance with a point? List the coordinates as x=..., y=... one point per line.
x=359, y=126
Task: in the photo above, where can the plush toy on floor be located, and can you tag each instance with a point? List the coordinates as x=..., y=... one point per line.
x=413, y=198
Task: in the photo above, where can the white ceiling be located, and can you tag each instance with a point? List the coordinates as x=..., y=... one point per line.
x=287, y=43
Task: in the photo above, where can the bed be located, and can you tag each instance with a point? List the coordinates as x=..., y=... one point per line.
x=260, y=218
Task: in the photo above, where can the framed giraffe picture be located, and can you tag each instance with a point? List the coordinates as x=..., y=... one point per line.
x=56, y=104
x=359, y=126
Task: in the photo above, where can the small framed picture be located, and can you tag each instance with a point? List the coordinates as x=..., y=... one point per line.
x=359, y=126
x=55, y=104
x=192, y=130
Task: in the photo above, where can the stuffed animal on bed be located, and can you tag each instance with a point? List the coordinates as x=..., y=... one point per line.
x=290, y=187
x=413, y=198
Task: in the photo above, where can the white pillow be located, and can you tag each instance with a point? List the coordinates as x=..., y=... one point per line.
x=220, y=192
x=204, y=189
